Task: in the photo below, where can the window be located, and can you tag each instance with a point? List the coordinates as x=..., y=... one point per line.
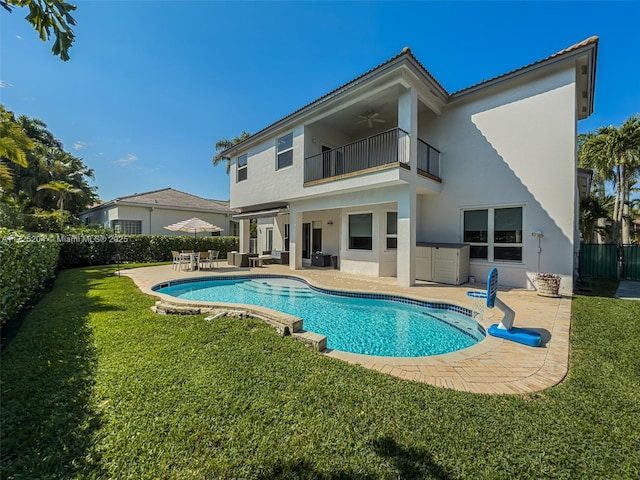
x=242, y=168
x=360, y=231
x=475, y=232
x=285, y=151
x=507, y=237
x=127, y=227
x=495, y=234
x=269, y=239
x=234, y=228
x=392, y=230
x=286, y=237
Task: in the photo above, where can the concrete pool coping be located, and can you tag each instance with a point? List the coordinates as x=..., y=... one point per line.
x=493, y=366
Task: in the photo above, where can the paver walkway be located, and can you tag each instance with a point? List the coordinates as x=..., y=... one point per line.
x=628, y=290
x=494, y=366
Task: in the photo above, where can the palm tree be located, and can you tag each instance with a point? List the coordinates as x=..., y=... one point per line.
x=223, y=144
x=14, y=144
x=593, y=210
x=63, y=190
x=615, y=155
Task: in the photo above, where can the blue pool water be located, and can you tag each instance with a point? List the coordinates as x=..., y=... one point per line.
x=369, y=326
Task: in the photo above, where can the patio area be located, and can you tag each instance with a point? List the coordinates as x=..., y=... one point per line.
x=494, y=366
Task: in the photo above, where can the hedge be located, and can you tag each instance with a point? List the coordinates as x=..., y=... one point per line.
x=27, y=261
x=85, y=247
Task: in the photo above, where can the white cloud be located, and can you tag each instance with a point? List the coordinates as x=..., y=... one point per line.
x=130, y=158
x=18, y=37
x=4, y=84
x=79, y=145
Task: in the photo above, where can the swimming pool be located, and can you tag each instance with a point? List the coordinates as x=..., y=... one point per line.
x=369, y=324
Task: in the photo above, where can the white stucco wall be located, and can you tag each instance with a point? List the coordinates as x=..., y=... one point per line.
x=157, y=218
x=515, y=148
x=264, y=182
x=511, y=145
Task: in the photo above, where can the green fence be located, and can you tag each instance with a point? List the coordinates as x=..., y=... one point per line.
x=607, y=260
x=631, y=265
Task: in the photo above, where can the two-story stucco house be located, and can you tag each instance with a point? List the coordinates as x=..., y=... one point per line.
x=390, y=163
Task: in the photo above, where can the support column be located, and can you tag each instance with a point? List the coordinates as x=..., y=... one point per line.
x=244, y=236
x=408, y=121
x=407, y=202
x=295, y=240
x=406, y=256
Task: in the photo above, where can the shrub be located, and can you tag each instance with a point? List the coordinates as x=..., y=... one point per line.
x=85, y=247
x=26, y=262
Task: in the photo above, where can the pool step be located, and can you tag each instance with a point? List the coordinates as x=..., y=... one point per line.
x=314, y=340
x=279, y=290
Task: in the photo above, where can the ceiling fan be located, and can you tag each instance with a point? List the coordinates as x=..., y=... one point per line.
x=369, y=118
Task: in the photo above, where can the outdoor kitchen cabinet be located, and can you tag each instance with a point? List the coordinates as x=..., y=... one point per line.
x=442, y=262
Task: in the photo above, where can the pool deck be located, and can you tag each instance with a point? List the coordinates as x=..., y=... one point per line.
x=494, y=366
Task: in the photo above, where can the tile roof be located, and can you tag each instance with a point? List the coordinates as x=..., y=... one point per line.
x=169, y=197
x=406, y=52
x=591, y=40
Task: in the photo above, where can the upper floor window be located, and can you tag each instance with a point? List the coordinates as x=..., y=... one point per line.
x=242, y=168
x=361, y=231
x=392, y=230
x=285, y=151
x=127, y=227
x=495, y=234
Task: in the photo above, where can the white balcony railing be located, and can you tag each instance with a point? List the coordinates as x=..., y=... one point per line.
x=428, y=159
x=385, y=148
x=382, y=149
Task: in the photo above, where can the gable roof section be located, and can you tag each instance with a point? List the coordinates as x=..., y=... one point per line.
x=405, y=54
x=169, y=198
x=588, y=46
x=579, y=48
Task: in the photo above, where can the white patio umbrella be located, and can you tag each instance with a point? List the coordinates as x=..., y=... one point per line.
x=194, y=225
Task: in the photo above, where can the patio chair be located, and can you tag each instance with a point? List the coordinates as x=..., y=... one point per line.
x=213, y=255
x=205, y=257
x=175, y=255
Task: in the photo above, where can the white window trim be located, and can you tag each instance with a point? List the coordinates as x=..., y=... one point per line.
x=373, y=232
x=490, y=244
x=386, y=231
x=117, y=225
x=244, y=167
x=278, y=152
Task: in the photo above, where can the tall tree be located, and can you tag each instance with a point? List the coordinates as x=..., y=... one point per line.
x=62, y=189
x=593, y=210
x=223, y=144
x=47, y=162
x=47, y=16
x=14, y=144
x=615, y=155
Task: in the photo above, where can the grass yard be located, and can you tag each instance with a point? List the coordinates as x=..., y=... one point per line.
x=95, y=385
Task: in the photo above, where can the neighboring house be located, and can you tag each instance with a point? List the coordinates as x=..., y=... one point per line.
x=391, y=159
x=150, y=212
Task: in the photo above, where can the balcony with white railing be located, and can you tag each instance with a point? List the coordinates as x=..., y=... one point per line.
x=382, y=151
x=428, y=160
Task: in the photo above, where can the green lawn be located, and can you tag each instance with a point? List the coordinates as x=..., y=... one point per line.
x=94, y=385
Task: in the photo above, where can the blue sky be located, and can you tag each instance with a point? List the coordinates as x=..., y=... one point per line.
x=152, y=85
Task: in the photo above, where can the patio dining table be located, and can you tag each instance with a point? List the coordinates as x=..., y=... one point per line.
x=193, y=259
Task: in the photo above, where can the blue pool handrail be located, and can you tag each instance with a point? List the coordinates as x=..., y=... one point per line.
x=492, y=287
x=505, y=328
